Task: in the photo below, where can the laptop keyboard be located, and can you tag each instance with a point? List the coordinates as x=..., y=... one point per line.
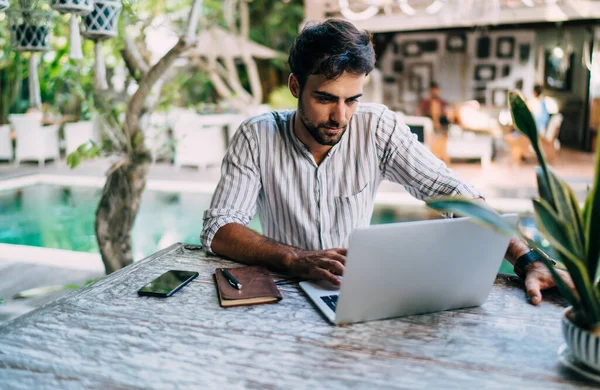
x=331, y=301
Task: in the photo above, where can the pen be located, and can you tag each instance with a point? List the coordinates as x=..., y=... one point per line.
x=231, y=279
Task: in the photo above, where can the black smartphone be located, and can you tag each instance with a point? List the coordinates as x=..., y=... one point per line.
x=168, y=283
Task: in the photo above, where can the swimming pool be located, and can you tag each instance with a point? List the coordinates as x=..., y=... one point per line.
x=62, y=217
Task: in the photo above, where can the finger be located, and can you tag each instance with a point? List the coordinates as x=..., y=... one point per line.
x=532, y=285
x=323, y=274
x=335, y=267
x=331, y=255
x=341, y=251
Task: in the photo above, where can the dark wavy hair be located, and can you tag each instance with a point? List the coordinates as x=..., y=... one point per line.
x=331, y=48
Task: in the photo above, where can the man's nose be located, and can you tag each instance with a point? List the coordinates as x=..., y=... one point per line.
x=339, y=113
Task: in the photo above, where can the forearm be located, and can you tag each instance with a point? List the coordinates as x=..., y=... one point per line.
x=516, y=248
x=242, y=244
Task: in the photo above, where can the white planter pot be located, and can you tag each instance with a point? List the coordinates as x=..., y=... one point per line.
x=103, y=21
x=4, y=4
x=584, y=346
x=30, y=30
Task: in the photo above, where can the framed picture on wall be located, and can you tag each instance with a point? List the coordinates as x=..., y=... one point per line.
x=485, y=72
x=411, y=49
x=484, y=47
x=429, y=45
x=505, y=47
x=499, y=97
x=456, y=43
x=558, y=69
x=420, y=76
x=398, y=66
x=524, y=49
x=479, y=94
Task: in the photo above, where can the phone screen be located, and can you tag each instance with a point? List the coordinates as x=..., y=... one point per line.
x=168, y=283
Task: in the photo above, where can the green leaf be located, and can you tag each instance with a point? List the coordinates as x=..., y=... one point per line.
x=544, y=187
x=568, y=210
x=74, y=159
x=472, y=208
x=591, y=220
x=86, y=151
x=524, y=122
x=556, y=231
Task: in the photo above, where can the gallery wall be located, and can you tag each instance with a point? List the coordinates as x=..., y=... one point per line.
x=484, y=65
x=467, y=65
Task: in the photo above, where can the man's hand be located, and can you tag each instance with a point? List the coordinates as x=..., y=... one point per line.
x=538, y=278
x=319, y=265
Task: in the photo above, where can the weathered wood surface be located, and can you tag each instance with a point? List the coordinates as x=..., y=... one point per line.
x=105, y=336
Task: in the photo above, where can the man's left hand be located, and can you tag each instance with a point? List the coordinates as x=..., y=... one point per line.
x=538, y=278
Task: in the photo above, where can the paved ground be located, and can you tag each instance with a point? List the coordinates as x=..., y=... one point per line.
x=498, y=180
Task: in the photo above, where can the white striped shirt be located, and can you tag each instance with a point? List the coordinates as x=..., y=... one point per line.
x=309, y=206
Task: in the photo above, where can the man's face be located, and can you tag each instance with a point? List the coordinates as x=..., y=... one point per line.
x=326, y=106
x=435, y=92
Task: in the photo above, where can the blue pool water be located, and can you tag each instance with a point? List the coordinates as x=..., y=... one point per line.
x=62, y=217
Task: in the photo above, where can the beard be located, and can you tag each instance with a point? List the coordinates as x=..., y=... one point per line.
x=319, y=130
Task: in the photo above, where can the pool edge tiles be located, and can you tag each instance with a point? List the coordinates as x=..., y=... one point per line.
x=98, y=182
x=205, y=187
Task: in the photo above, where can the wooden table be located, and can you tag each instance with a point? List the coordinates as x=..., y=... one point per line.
x=105, y=336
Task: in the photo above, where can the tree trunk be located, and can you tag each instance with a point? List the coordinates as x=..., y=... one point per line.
x=116, y=214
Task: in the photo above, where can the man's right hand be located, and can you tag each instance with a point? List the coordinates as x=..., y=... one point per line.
x=319, y=265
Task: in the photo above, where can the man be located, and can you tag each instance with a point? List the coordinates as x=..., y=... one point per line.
x=435, y=107
x=313, y=173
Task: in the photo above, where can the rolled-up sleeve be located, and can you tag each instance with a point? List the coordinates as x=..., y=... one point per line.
x=234, y=200
x=404, y=160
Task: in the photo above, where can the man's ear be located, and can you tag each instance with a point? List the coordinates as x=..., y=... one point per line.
x=294, y=85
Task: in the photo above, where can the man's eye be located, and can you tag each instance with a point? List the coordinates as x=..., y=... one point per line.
x=323, y=99
x=352, y=101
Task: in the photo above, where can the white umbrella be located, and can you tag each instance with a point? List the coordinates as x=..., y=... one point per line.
x=216, y=42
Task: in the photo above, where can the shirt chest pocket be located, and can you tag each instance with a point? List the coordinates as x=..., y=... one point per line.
x=350, y=211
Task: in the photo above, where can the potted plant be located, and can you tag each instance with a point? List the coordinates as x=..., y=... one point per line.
x=30, y=26
x=75, y=8
x=102, y=22
x=574, y=233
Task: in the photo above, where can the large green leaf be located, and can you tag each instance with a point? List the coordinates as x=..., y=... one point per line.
x=544, y=187
x=555, y=230
x=487, y=217
x=524, y=122
x=592, y=220
x=568, y=209
x=474, y=208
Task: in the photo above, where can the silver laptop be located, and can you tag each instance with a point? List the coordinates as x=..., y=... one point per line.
x=411, y=268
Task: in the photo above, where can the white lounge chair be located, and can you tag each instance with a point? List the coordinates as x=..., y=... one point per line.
x=34, y=142
x=5, y=143
x=199, y=142
x=77, y=134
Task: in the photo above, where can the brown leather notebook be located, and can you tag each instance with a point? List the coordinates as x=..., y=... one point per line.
x=257, y=287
